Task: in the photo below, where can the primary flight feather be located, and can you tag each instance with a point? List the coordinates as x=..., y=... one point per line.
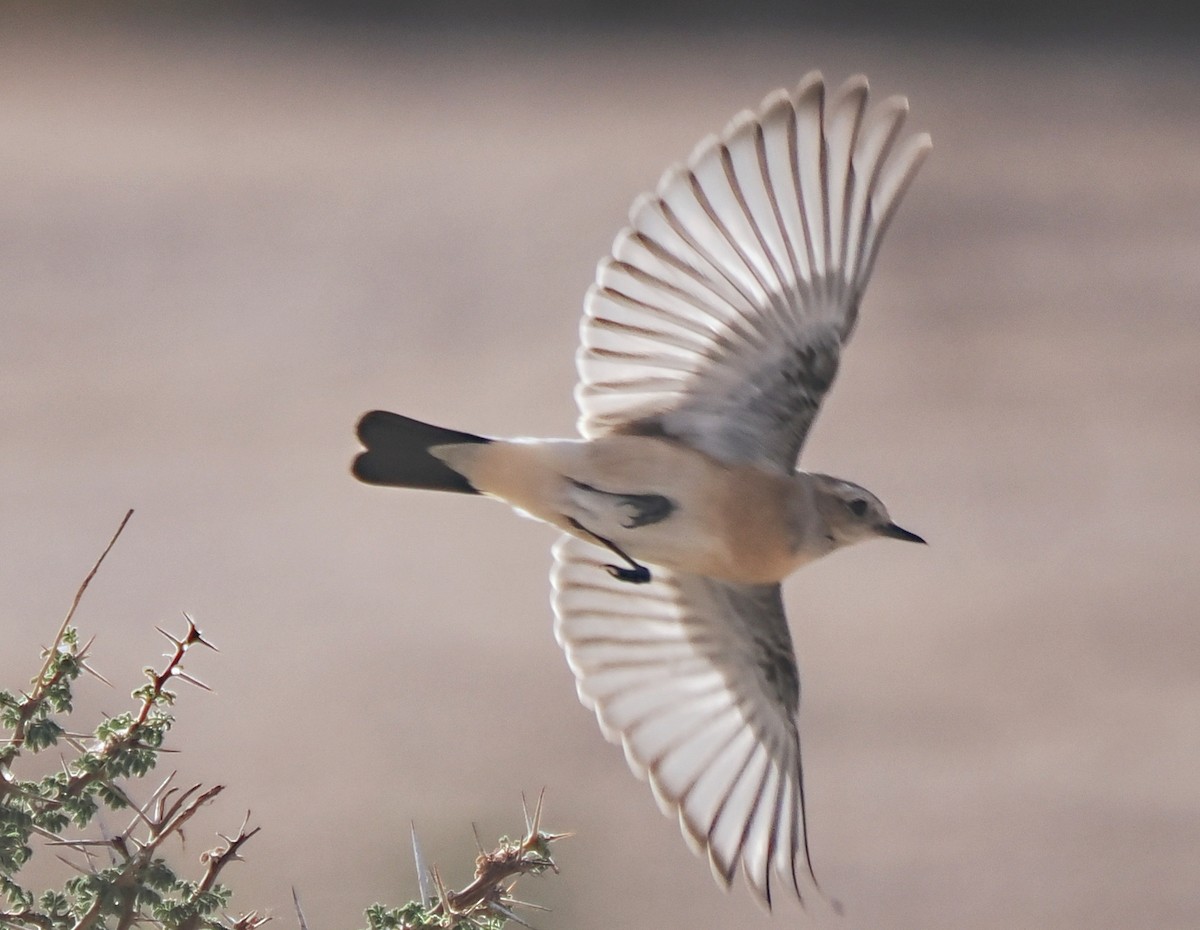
x=709, y=339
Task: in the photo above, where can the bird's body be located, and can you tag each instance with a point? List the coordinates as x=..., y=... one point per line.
x=710, y=337
x=656, y=499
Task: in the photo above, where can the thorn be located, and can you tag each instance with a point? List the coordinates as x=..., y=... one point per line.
x=443, y=896
x=537, y=813
x=514, y=902
x=95, y=674
x=80, y=844
x=139, y=813
x=525, y=811
x=422, y=868
x=299, y=910
x=165, y=786
x=48, y=834
x=70, y=864
x=171, y=639
x=160, y=801
x=478, y=841
x=508, y=914
x=178, y=672
x=194, y=635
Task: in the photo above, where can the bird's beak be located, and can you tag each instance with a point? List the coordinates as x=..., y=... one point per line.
x=898, y=532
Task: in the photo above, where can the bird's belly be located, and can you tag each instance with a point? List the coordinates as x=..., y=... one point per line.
x=657, y=501
x=676, y=508
x=696, y=548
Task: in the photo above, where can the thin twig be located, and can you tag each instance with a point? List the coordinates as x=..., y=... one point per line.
x=42, y=683
x=214, y=861
x=75, y=603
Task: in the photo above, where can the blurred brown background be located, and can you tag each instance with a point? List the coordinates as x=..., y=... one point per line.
x=222, y=239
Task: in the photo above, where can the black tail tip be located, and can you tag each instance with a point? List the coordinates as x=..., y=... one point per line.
x=371, y=424
x=397, y=453
x=365, y=468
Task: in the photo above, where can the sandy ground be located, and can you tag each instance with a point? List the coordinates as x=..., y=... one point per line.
x=218, y=249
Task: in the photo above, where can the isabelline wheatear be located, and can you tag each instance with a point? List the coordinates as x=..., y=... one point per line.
x=709, y=339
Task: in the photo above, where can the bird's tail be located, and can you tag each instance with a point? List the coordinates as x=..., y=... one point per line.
x=397, y=453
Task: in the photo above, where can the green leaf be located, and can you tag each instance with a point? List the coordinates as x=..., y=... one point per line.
x=80, y=809
x=42, y=734
x=111, y=727
x=54, y=903
x=16, y=895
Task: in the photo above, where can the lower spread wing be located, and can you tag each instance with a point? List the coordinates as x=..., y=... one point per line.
x=720, y=315
x=697, y=680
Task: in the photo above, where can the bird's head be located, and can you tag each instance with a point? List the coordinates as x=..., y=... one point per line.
x=852, y=513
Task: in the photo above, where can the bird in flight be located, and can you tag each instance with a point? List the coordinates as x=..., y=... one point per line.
x=710, y=337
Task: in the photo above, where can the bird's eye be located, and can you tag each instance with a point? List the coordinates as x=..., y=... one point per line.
x=858, y=506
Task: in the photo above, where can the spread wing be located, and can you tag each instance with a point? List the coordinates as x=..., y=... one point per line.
x=697, y=680
x=720, y=315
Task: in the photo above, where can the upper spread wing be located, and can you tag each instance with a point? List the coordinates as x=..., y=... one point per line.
x=697, y=680
x=720, y=315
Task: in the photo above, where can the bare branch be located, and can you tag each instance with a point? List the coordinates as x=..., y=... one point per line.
x=74, y=606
